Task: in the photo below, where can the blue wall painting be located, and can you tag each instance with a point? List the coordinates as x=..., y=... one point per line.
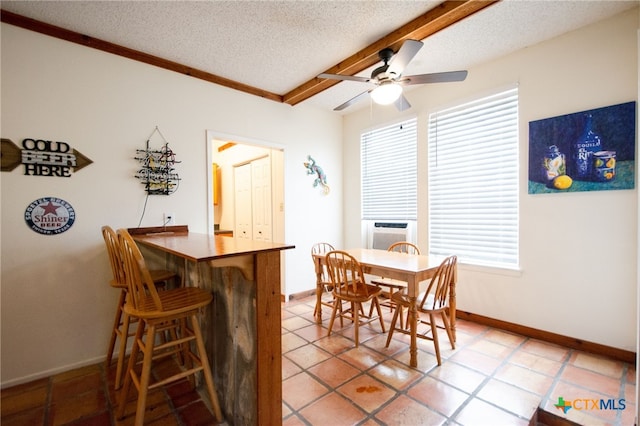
x=591, y=150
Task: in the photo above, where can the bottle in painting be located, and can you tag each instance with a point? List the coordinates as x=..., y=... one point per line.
x=553, y=164
x=583, y=150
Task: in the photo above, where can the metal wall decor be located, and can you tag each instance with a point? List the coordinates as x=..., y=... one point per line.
x=42, y=158
x=157, y=173
x=49, y=216
x=314, y=169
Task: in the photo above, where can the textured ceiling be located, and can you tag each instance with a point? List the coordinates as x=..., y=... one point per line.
x=278, y=45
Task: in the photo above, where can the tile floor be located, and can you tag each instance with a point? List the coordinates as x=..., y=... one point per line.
x=491, y=378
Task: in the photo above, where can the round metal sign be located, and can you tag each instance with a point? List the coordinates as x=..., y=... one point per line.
x=49, y=216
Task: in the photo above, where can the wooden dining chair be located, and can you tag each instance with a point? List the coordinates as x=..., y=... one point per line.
x=349, y=285
x=156, y=312
x=120, y=330
x=325, y=280
x=431, y=303
x=395, y=285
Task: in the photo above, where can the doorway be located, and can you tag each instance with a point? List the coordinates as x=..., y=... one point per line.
x=248, y=173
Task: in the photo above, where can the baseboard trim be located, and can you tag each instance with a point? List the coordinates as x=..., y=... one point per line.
x=53, y=371
x=571, y=342
x=302, y=294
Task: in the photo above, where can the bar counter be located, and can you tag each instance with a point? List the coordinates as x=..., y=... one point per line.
x=242, y=326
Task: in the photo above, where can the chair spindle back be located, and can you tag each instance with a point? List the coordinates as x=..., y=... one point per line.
x=140, y=284
x=346, y=274
x=322, y=248
x=437, y=294
x=404, y=247
x=115, y=257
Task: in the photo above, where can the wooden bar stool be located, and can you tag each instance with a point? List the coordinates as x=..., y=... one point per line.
x=120, y=327
x=156, y=312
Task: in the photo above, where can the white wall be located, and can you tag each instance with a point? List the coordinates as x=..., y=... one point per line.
x=571, y=282
x=57, y=307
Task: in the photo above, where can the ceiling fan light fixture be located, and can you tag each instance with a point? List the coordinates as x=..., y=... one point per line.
x=386, y=93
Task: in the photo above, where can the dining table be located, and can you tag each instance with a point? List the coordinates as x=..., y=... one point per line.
x=410, y=268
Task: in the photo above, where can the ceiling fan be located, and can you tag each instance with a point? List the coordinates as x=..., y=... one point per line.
x=388, y=79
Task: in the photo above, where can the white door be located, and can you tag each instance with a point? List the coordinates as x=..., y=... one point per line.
x=261, y=199
x=243, y=209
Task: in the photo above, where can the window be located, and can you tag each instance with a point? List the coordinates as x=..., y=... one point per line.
x=389, y=172
x=473, y=181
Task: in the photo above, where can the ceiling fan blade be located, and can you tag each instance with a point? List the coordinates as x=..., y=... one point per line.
x=345, y=77
x=352, y=100
x=402, y=104
x=438, y=77
x=400, y=60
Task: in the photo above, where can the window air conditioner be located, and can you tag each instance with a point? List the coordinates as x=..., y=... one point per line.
x=381, y=235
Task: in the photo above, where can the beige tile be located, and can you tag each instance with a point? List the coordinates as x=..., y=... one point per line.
x=300, y=309
x=308, y=355
x=480, y=413
x=547, y=350
x=504, y=338
x=490, y=348
x=395, y=374
x=367, y=393
x=362, y=357
x=302, y=389
x=598, y=364
x=332, y=409
x=292, y=341
x=591, y=381
x=510, y=398
x=312, y=333
x=437, y=395
x=525, y=379
x=535, y=362
x=295, y=323
x=334, y=344
x=631, y=374
x=293, y=420
x=458, y=376
x=476, y=360
x=289, y=368
x=334, y=372
x=406, y=411
x=470, y=328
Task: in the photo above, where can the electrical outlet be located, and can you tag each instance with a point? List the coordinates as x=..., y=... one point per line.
x=169, y=219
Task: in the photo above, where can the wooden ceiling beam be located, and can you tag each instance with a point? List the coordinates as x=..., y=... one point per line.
x=105, y=46
x=436, y=19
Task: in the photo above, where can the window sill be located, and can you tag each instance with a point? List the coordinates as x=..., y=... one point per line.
x=496, y=270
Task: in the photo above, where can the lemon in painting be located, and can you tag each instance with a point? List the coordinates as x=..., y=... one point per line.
x=562, y=182
x=611, y=162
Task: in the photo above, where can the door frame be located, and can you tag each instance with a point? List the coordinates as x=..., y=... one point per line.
x=210, y=136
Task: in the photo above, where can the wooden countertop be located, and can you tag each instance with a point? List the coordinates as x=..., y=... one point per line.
x=204, y=247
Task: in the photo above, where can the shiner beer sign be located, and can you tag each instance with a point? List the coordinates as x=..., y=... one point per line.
x=49, y=216
x=42, y=158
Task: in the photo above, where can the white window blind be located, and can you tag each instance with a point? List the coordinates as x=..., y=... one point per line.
x=389, y=172
x=473, y=181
